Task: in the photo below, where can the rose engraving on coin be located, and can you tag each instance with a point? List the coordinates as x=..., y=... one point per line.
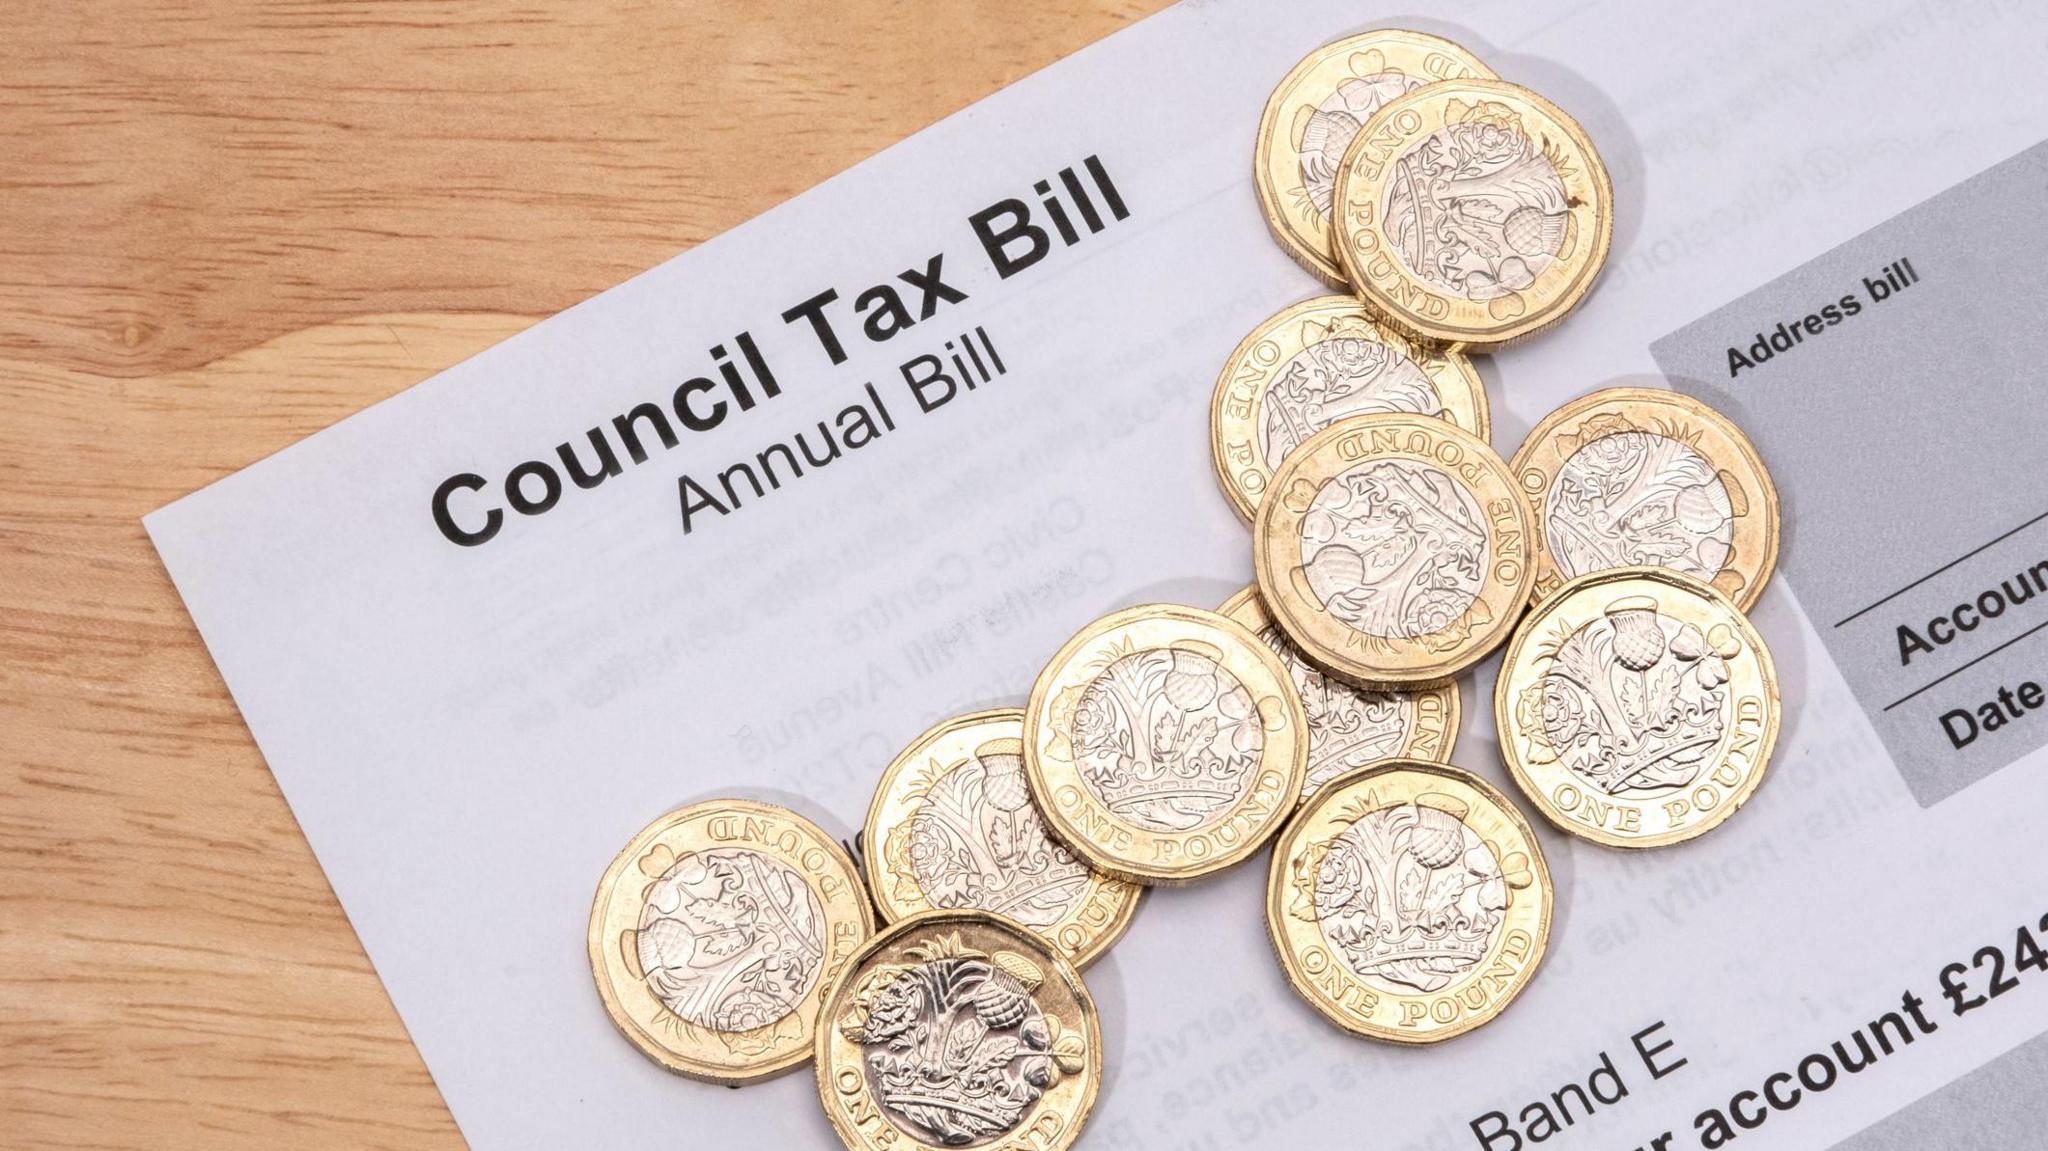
x=1349, y=370
x=955, y=1045
x=1408, y=896
x=1395, y=548
x=1166, y=738
x=977, y=842
x=1477, y=208
x=1638, y=498
x=1634, y=701
x=1644, y=477
x=731, y=939
x=1408, y=901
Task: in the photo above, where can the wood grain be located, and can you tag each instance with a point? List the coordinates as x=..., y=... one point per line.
x=224, y=226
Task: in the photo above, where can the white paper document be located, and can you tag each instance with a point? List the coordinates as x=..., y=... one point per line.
x=749, y=522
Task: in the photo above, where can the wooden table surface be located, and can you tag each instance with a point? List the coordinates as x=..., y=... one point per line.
x=223, y=226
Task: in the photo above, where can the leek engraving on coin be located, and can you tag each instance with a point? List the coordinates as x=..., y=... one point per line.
x=1636, y=498
x=1347, y=726
x=1167, y=738
x=1409, y=896
x=1634, y=702
x=1477, y=208
x=1343, y=370
x=977, y=842
x=1395, y=548
x=955, y=1045
x=729, y=940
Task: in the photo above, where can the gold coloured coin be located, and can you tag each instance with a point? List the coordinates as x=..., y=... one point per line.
x=1312, y=116
x=1164, y=743
x=1350, y=727
x=1639, y=477
x=959, y=1029
x=1393, y=549
x=1313, y=364
x=1637, y=707
x=716, y=934
x=1473, y=212
x=953, y=826
x=1408, y=901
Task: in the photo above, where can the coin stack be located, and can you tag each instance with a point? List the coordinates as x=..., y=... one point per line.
x=1315, y=711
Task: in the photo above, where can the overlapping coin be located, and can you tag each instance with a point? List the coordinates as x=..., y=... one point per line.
x=1312, y=116
x=1313, y=364
x=1472, y=212
x=1164, y=743
x=959, y=1029
x=716, y=934
x=1637, y=707
x=1638, y=477
x=1409, y=902
x=1393, y=549
x=1350, y=727
x=952, y=826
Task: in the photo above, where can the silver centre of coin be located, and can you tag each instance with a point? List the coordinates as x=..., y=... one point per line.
x=957, y=1051
x=1346, y=373
x=976, y=842
x=1638, y=499
x=1476, y=209
x=1635, y=702
x=1395, y=548
x=1167, y=739
x=1335, y=121
x=1410, y=898
x=1347, y=726
x=731, y=939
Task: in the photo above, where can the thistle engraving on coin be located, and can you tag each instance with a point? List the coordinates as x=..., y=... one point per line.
x=1166, y=738
x=1408, y=896
x=976, y=841
x=729, y=940
x=955, y=1044
x=1344, y=369
x=1395, y=548
x=1477, y=208
x=1634, y=702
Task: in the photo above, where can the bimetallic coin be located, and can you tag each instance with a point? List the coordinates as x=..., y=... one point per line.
x=1314, y=364
x=716, y=934
x=959, y=1029
x=1473, y=212
x=1164, y=743
x=1638, y=477
x=1408, y=901
x=1312, y=116
x=952, y=826
x=1637, y=707
x=1350, y=727
x=1393, y=550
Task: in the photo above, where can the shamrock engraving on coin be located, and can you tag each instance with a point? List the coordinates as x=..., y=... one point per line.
x=952, y=826
x=1639, y=477
x=1408, y=901
x=1472, y=212
x=959, y=1029
x=716, y=933
x=1350, y=727
x=1164, y=743
x=1313, y=364
x=1393, y=549
x=1314, y=113
x=1637, y=707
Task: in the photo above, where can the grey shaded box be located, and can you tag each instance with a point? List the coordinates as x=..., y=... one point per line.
x=1891, y=386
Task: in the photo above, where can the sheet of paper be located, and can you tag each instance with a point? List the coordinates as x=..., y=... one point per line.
x=467, y=731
